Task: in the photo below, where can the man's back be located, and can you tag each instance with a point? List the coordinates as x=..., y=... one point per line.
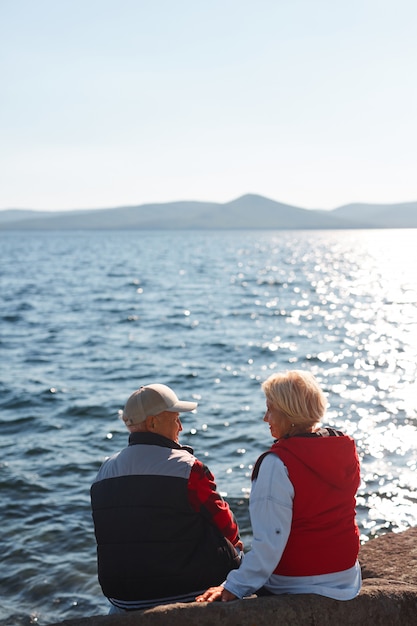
x=155, y=537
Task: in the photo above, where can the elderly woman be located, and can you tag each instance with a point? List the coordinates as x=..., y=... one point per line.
x=302, y=503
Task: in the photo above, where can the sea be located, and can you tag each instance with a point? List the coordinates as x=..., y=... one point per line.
x=89, y=316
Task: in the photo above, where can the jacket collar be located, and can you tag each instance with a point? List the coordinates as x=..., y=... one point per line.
x=151, y=439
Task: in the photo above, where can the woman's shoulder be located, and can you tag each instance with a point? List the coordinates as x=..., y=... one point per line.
x=267, y=460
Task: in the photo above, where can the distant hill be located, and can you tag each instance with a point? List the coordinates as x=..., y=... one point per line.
x=247, y=212
x=402, y=215
x=13, y=215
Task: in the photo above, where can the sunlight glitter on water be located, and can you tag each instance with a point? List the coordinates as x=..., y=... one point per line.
x=89, y=316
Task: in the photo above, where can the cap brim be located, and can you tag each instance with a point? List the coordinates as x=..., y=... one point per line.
x=183, y=407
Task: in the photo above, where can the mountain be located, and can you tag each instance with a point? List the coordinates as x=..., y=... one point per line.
x=257, y=212
x=402, y=215
x=247, y=212
x=16, y=215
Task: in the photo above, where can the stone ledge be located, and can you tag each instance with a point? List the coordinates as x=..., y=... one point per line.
x=388, y=598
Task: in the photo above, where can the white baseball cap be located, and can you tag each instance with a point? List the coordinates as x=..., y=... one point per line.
x=152, y=400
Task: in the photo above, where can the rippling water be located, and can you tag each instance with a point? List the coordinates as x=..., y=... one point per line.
x=89, y=316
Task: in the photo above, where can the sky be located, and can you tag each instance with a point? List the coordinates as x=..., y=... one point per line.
x=107, y=103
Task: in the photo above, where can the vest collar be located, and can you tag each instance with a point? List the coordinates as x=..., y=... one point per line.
x=152, y=439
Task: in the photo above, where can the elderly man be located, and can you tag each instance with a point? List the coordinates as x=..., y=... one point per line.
x=163, y=532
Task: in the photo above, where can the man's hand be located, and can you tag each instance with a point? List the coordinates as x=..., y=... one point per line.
x=216, y=593
x=239, y=546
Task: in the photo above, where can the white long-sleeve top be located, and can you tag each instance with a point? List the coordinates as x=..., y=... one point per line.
x=270, y=509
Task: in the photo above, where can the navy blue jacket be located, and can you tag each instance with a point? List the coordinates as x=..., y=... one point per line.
x=151, y=540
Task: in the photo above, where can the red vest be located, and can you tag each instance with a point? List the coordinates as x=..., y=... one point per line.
x=324, y=472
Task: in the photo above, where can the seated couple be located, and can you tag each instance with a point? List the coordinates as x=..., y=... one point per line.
x=164, y=534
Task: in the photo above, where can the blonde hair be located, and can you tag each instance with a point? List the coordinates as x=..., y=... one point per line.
x=298, y=395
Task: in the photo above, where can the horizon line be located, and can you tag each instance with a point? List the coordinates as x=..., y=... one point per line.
x=131, y=205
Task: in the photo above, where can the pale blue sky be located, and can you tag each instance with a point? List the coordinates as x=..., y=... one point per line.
x=118, y=102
